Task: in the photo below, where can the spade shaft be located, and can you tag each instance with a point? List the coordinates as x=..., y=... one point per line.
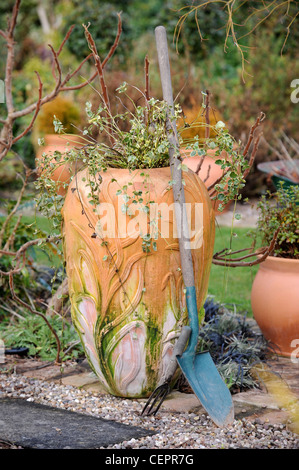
x=199, y=369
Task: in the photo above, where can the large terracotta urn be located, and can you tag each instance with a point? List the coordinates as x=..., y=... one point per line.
x=128, y=305
x=275, y=303
x=60, y=143
x=208, y=173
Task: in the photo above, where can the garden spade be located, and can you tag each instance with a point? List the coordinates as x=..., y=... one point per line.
x=198, y=368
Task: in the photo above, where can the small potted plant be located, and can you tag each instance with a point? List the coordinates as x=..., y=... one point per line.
x=275, y=290
x=61, y=110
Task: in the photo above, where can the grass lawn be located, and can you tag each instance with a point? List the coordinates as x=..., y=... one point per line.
x=232, y=285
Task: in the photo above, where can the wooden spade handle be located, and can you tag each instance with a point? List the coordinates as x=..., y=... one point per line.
x=174, y=159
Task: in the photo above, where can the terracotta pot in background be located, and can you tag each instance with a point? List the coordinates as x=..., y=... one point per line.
x=275, y=303
x=61, y=143
x=213, y=174
x=129, y=311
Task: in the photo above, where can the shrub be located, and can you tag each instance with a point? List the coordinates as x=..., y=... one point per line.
x=65, y=111
x=280, y=210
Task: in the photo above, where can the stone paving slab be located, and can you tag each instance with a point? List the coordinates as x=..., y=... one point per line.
x=32, y=425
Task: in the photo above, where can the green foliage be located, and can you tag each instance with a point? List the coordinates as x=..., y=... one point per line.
x=103, y=26
x=143, y=145
x=281, y=210
x=32, y=332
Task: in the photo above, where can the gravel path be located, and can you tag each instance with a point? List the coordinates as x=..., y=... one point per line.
x=174, y=430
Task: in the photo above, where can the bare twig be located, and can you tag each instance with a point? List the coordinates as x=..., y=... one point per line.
x=146, y=68
x=16, y=206
x=233, y=263
x=58, y=77
x=38, y=106
x=99, y=67
x=56, y=302
x=252, y=156
x=207, y=115
x=257, y=123
x=94, y=75
x=10, y=241
x=20, y=255
x=116, y=41
x=35, y=312
x=208, y=174
x=65, y=39
x=200, y=164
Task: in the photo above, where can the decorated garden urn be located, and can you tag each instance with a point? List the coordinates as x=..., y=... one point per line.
x=123, y=267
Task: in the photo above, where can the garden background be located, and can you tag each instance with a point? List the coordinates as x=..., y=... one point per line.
x=243, y=79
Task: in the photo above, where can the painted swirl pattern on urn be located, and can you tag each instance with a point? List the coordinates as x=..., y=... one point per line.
x=128, y=305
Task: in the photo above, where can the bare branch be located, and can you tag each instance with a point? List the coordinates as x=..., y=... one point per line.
x=13, y=20
x=200, y=164
x=20, y=255
x=98, y=65
x=93, y=76
x=38, y=106
x=65, y=39
x=12, y=213
x=252, y=156
x=116, y=41
x=71, y=75
x=258, y=121
x=36, y=312
x=11, y=238
x=146, y=68
x=56, y=62
x=208, y=174
x=2, y=33
x=207, y=115
x=233, y=263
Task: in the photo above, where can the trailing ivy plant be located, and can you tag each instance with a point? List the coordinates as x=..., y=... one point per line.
x=135, y=140
x=234, y=164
